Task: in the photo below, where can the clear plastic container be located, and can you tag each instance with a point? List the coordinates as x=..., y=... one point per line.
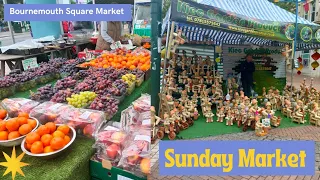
x=140, y=80
x=87, y=122
x=24, y=86
x=16, y=105
x=44, y=79
x=131, y=88
x=49, y=111
x=7, y=91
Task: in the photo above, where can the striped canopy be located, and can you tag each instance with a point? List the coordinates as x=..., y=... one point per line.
x=258, y=9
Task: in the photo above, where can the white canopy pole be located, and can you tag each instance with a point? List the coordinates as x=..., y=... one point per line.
x=94, y=22
x=10, y=26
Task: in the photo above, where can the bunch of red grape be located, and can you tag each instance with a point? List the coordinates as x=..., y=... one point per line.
x=105, y=103
x=65, y=83
x=44, y=93
x=7, y=81
x=81, y=74
x=61, y=96
x=119, y=88
x=86, y=85
x=137, y=72
x=57, y=62
x=102, y=86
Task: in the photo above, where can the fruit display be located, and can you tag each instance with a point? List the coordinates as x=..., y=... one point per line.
x=139, y=76
x=102, y=86
x=49, y=111
x=61, y=96
x=85, y=121
x=26, y=85
x=69, y=68
x=86, y=85
x=48, y=138
x=67, y=82
x=7, y=87
x=16, y=105
x=122, y=58
x=110, y=142
x=83, y=99
x=106, y=104
x=82, y=74
x=142, y=104
x=118, y=89
x=130, y=79
x=17, y=127
x=43, y=93
x=3, y=114
x=135, y=151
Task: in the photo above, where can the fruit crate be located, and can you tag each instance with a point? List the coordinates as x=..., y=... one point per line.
x=24, y=86
x=98, y=172
x=139, y=80
x=120, y=98
x=131, y=88
x=44, y=79
x=7, y=91
x=147, y=75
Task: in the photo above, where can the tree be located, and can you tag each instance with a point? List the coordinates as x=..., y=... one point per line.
x=289, y=6
x=9, y=2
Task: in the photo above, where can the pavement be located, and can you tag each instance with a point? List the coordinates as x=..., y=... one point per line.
x=279, y=134
x=6, y=40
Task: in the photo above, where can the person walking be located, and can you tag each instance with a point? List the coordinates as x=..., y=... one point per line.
x=247, y=68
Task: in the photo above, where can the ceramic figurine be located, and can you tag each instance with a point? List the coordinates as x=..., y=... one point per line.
x=254, y=105
x=209, y=116
x=229, y=118
x=229, y=84
x=195, y=98
x=264, y=93
x=189, y=85
x=195, y=114
x=313, y=111
x=235, y=85
x=221, y=114
x=298, y=115
x=208, y=78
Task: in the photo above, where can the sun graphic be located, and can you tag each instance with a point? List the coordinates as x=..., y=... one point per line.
x=13, y=164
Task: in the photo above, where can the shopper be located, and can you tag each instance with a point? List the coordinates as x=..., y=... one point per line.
x=247, y=68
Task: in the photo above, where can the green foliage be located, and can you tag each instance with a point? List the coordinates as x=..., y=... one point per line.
x=291, y=7
x=9, y=2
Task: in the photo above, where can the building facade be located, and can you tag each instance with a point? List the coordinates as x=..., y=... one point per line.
x=313, y=15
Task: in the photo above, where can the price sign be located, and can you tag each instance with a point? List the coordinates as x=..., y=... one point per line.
x=30, y=63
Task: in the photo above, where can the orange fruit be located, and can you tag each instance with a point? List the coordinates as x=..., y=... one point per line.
x=22, y=120
x=58, y=133
x=57, y=143
x=23, y=114
x=3, y=126
x=45, y=139
x=3, y=113
x=51, y=126
x=3, y=135
x=12, y=125
x=64, y=128
x=32, y=137
x=37, y=147
x=67, y=140
x=13, y=135
x=42, y=130
x=48, y=149
x=25, y=129
x=32, y=123
x=27, y=146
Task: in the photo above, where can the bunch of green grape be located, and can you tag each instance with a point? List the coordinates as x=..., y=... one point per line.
x=82, y=99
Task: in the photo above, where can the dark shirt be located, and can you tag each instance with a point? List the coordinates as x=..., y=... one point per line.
x=247, y=69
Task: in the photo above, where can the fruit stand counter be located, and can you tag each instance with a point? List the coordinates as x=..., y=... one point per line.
x=74, y=163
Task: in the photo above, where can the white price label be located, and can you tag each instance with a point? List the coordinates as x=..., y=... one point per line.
x=85, y=115
x=30, y=63
x=146, y=122
x=55, y=107
x=123, y=178
x=24, y=101
x=142, y=138
x=110, y=128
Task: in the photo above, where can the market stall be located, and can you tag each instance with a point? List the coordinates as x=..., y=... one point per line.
x=196, y=94
x=83, y=100
x=142, y=18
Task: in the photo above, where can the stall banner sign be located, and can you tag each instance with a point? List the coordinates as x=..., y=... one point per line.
x=236, y=158
x=30, y=63
x=269, y=62
x=188, y=11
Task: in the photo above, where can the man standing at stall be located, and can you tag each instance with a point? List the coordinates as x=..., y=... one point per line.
x=247, y=69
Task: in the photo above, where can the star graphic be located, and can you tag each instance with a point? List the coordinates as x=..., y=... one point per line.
x=13, y=164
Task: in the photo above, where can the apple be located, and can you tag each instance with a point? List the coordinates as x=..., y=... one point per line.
x=145, y=165
x=112, y=151
x=133, y=157
x=88, y=130
x=118, y=137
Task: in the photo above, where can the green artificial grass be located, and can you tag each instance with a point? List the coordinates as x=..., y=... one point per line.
x=72, y=164
x=202, y=129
